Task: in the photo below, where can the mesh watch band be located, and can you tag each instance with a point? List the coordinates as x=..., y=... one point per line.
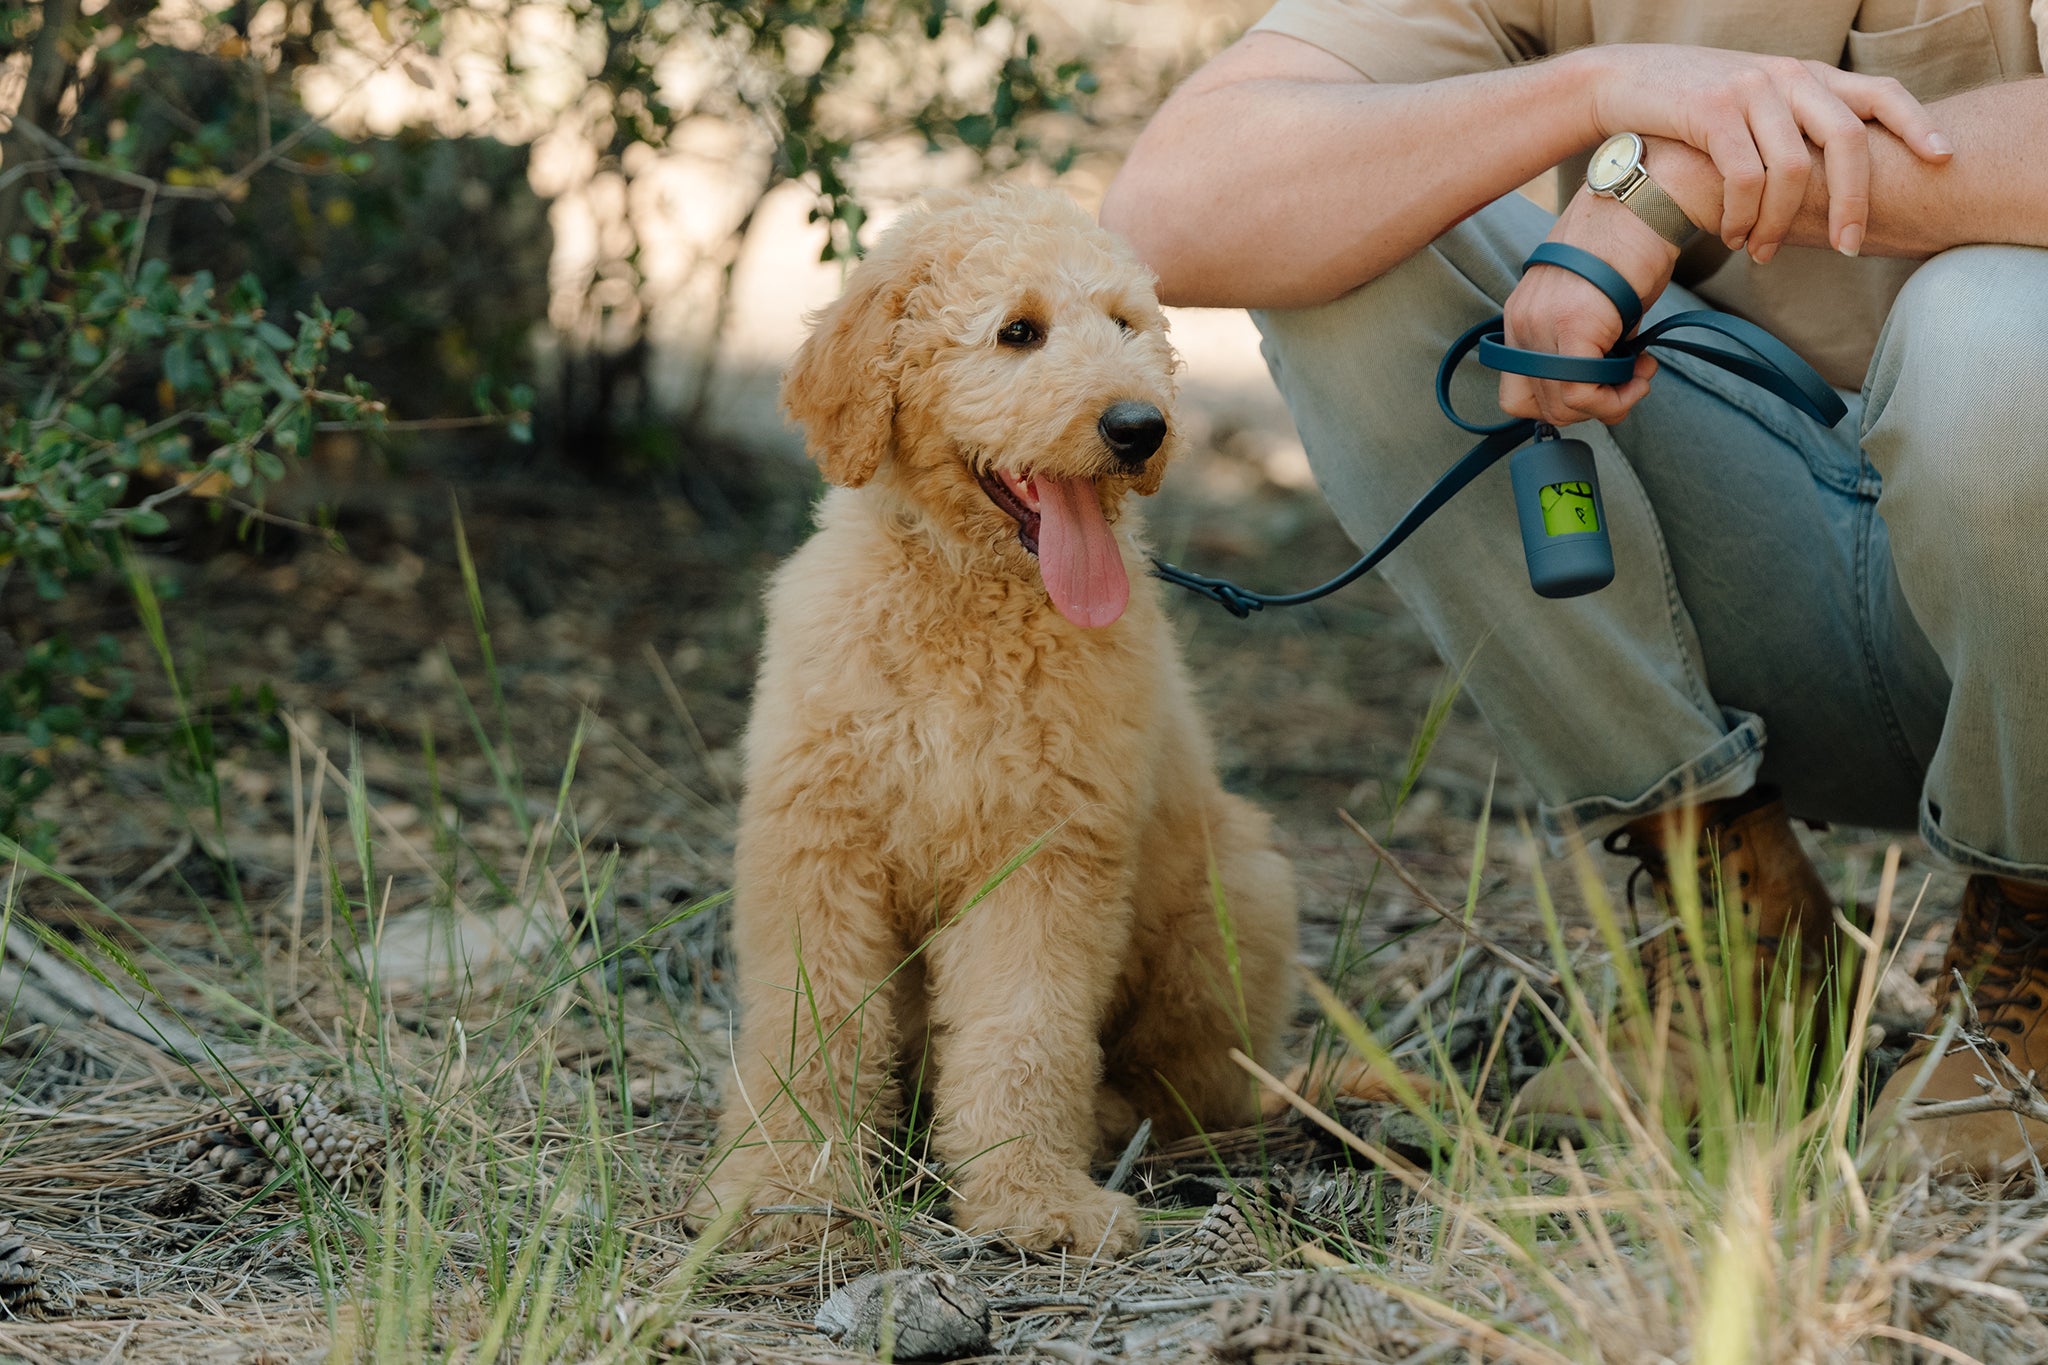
x=1647, y=198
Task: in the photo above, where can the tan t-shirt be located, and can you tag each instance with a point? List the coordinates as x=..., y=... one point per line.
x=1827, y=306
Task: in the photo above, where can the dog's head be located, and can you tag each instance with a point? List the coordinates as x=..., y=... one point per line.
x=1003, y=361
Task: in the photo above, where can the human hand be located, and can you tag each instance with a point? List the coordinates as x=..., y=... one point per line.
x=1553, y=310
x=1755, y=116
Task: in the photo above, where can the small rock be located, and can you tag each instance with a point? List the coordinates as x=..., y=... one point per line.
x=925, y=1315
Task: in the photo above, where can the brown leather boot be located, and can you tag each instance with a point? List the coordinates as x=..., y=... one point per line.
x=1747, y=861
x=2000, y=945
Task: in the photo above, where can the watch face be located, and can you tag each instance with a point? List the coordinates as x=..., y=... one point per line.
x=1613, y=160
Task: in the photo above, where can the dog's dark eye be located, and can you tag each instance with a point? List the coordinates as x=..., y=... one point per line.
x=1021, y=333
x=1123, y=325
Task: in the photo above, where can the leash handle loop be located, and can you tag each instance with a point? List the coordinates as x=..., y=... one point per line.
x=1771, y=365
x=1777, y=369
x=1618, y=366
x=1479, y=333
x=1595, y=272
x=1572, y=369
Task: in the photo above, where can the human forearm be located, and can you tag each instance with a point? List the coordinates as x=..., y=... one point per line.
x=1258, y=187
x=1994, y=189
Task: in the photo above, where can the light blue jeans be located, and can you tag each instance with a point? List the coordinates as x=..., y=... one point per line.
x=1858, y=615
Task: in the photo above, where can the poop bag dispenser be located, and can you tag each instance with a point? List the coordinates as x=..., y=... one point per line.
x=1564, y=525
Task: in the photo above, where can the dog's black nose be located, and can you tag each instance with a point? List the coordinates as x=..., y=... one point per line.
x=1132, y=430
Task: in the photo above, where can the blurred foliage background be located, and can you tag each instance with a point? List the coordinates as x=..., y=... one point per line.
x=243, y=242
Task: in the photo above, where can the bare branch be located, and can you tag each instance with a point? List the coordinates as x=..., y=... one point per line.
x=1441, y=911
x=49, y=68
x=1990, y=1102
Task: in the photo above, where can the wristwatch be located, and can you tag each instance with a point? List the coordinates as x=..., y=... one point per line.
x=1616, y=172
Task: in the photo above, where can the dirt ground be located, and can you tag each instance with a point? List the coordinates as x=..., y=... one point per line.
x=625, y=609
x=623, y=627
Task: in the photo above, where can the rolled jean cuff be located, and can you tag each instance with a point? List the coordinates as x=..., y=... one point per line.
x=1727, y=768
x=1964, y=858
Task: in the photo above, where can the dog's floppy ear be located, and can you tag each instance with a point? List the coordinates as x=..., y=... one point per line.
x=842, y=384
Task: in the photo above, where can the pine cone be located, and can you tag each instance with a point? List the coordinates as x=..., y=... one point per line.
x=22, y=1292
x=344, y=1152
x=225, y=1152
x=244, y=1145
x=1336, y=1203
x=1332, y=1307
x=1224, y=1239
x=185, y=1200
x=688, y=1344
x=1325, y=1315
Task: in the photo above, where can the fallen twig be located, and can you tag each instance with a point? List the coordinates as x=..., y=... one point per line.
x=1410, y=1014
x=1443, y=912
x=1996, y=1099
x=179, y=852
x=58, y=994
x=1132, y=1151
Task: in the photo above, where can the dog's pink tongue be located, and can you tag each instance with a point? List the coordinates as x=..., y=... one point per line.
x=1077, y=556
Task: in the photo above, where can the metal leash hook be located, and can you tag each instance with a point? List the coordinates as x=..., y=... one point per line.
x=1556, y=485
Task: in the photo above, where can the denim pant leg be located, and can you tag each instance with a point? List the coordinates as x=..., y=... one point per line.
x=1615, y=704
x=1954, y=420
x=1601, y=701
x=1771, y=521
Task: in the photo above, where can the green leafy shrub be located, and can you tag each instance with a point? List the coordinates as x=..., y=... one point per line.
x=60, y=698
x=171, y=216
x=116, y=374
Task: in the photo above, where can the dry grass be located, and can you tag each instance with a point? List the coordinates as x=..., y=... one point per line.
x=534, y=1020
x=528, y=1208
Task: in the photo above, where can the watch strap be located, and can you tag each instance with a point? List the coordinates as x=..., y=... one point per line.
x=1647, y=199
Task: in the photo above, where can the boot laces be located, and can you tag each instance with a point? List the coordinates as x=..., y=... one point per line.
x=1664, y=949
x=2007, y=947
x=1651, y=861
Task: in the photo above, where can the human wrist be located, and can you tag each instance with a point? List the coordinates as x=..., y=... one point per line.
x=1610, y=230
x=1687, y=175
x=1577, y=77
x=1605, y=73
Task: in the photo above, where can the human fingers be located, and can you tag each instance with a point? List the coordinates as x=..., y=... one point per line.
x=1557, y=403
x=1626, y=396
x=1521, y=396
x=1787, y=167
x=1564, y=403
x=1541, y=316
x=1518, y=396
x=1884, y=100
x=1561, y=405
x=1844, y=141
x=1730, y=143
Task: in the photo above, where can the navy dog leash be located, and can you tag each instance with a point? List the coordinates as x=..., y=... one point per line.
x=1771, y=365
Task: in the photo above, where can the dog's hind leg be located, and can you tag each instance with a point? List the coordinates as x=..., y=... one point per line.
x=814, y=1064
x=1020, y=986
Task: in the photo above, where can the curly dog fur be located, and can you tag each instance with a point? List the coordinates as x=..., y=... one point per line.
x=982, y=850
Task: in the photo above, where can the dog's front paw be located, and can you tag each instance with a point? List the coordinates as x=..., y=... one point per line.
x=1084, y=1219
x=784, y=1232
x=726, y=1201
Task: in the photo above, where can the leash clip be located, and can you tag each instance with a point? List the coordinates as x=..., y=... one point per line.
x=1239, y=602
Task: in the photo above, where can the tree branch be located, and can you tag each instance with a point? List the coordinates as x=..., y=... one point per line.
x=1999, y=1098
x=48, y=69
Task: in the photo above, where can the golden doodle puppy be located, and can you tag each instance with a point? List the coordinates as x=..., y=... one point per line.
x=982, y=850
